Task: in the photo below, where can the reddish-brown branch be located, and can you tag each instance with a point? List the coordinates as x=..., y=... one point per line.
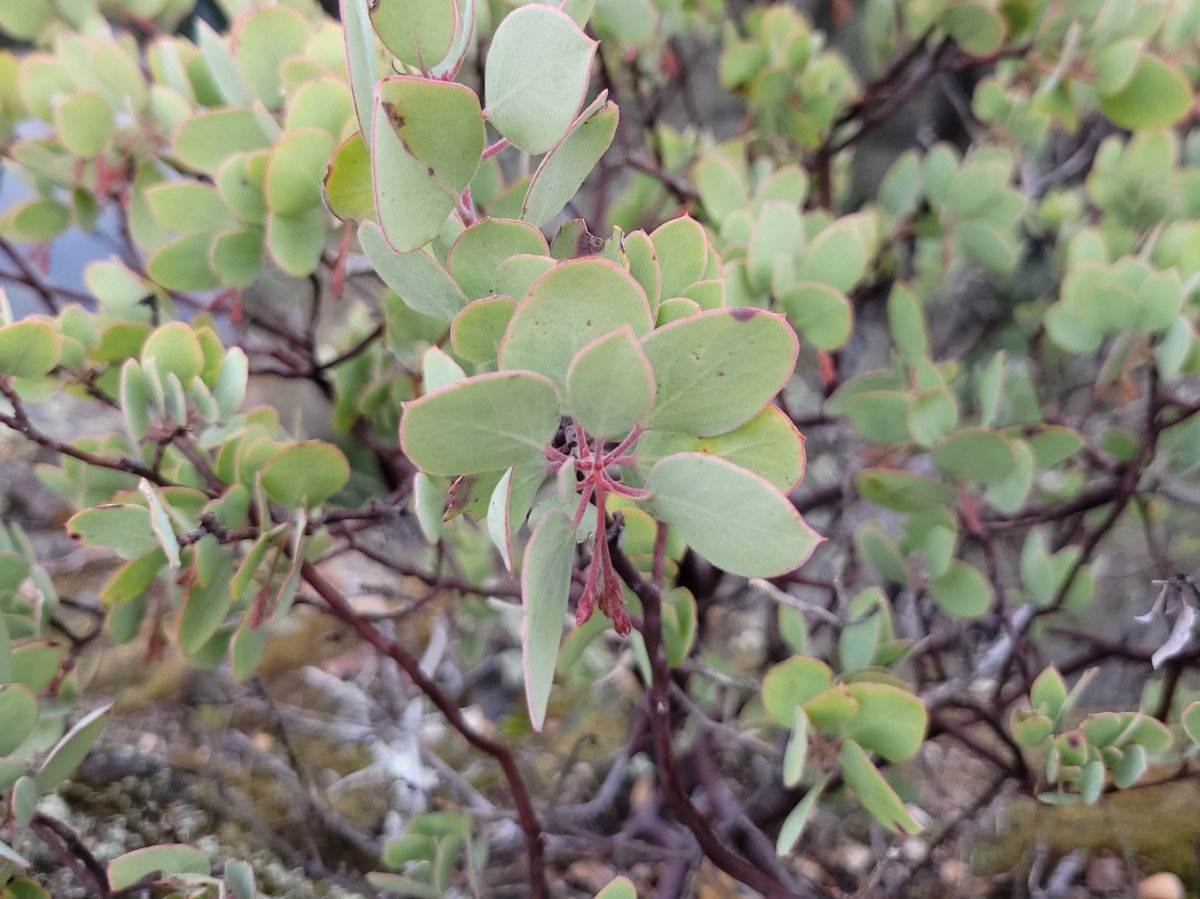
x=658, y=698
x=534, y=841
x=19, y=422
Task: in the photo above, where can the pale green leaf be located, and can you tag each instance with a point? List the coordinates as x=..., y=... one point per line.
x=568, y=307
x=428, y=138
x=565, y=168
x=717, y=369
x=533, y=95
x=545, y=589
x=732, y=517
x=486, y=423
x=610, y=385
x=419, y=279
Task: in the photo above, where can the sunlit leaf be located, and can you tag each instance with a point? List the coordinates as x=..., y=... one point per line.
x=533, y=97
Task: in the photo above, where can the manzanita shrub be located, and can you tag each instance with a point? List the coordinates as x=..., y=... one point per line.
x=991, y=351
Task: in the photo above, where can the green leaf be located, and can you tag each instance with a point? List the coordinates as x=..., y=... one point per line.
x=732, y=517
x=1054, y=444
x=418, y=278
x=169, y=860
x=296, y=243
x=778, y=230
x=510, y=504
x=1129, y=770
x=717, y=369
x=486, y=423
x=362, y=61
x=236, y=256
x=428, y=138
x=71, y=750
x=480, y=326
x=679, y=623
x=568, y=307
x=293, y=180
x=222, y=66
x=977, y=454
x=1116, y=63
x=798, y=818
x=796, y=752
x=792, y=683
x=978, y=29
x=962, y=591
x=132, y=579
x=239, y=878
x=84, y=123
x=682, y=249
x=25, y=21
x=900, y=189
x=823, y=314
x=36, y=664
x=610, y=385
x=160, y=521
x=768, y=445
x=205, y=141
x=176, y=350
x=565, y=168
x=1009, y=494
x=932, y=414
x=907, y=322
x=124, y=528
x=880, y=416
x=239, y=183
x=1190, y=719
x=545, y=589
x=262, y=41
x=417, y=32
x=349, y=192
x=18, y=716
x=618, y=888
x=644, y=266
x=1048, y=693
x=722, y=187
x=22, y=807
x=29, y=349
x=836, y=257
x=479, y=252
x=889, y=721
x=188, y=206
x=1156, y=95
x=306, y=473
x=183, y=264
x=533, y=96
x=903, y=491
x=36, y=221
x=873, y=791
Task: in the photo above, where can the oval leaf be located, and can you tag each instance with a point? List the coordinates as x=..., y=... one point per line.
x=428, y=138
x=567, y=308
x=305, y=474
x=486, y=423
x=610, y=385
x=534, y=95
x=717, y=369
x=732, y=517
